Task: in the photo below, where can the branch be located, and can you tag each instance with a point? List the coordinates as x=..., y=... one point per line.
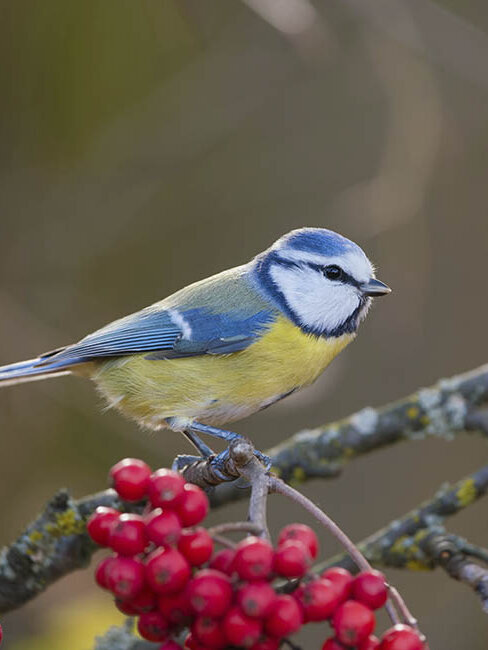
x=56, y=543
x=452, y=553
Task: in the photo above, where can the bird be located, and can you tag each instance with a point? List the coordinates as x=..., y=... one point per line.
x=229, y=345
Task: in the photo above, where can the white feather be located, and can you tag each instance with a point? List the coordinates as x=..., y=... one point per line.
x=180, y=321
x=319, y=304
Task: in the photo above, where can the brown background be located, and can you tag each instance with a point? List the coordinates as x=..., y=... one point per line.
x=149, y=144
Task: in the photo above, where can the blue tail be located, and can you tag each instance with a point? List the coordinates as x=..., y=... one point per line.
x=31, y=370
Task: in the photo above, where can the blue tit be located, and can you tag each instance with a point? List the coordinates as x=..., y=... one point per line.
x=229, y=345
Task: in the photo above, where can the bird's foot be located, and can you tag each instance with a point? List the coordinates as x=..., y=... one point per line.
x=218, y=463
x=229, y=436
x=265, y=460
x=183, y=460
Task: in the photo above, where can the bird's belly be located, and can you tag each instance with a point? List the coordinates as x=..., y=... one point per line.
x=220, y=388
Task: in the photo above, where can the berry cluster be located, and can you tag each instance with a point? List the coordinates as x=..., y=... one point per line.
x=166, y=572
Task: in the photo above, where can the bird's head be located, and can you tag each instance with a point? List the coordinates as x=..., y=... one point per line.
x=318, y=278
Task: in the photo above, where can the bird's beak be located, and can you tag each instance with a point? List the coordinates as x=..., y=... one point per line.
x=375, y=288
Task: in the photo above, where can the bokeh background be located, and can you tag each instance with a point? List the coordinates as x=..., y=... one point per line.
x=148, y=144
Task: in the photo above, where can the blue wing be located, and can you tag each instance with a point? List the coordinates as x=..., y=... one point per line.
x=220, y=315
x=164, y=334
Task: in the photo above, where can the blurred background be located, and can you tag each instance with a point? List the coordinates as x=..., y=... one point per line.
x=148, y=144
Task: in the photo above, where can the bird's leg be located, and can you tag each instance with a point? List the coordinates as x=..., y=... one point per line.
x=229, y=436
x=199, y=444
x=182, y=460
x=217, y=460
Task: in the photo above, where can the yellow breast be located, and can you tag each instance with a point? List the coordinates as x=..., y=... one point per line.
x=220, y=388
x=289, y=358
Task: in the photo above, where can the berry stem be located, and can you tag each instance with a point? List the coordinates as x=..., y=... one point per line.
x=280, y=487
x=277, y=485
x=237, y=526
x=223, y=541
x=256, y=474
x=404, y=611
x=257, y=502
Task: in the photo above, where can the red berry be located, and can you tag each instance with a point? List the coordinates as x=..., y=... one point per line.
x=369, y=587
x=125, y=577
x=223, y=561
x=333, y=644
x=194, y=506
x=101, y=572
x=163, y=528
x=196, y=545
x=241, y=630
x=253, y=559
x=167, y=571
x=125, y=607
x=166, y=488
x=292, y=559
x=318, y=599
x=209, y=631
x=130, y=478
x=176, y=607
x=128, y=535
x=371, y=643
x=266, y=643
x=144, y=602
x=170, y=645
x=401, y=637
x=100, y=523
x=285, y=618
x=210, y=593
x=353, y=622
x=256, y=599
x=300, y=533
x=342, y=581
x=1, y=634
x=192, y=643
x=153, y=626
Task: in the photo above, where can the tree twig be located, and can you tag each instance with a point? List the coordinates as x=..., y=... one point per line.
x=449, y=552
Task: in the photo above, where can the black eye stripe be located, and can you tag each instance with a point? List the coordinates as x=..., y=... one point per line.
x=346, y=278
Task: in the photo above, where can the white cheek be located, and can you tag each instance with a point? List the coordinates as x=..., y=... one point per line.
x=317, y=302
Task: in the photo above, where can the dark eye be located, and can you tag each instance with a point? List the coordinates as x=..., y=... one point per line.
x=333, y=272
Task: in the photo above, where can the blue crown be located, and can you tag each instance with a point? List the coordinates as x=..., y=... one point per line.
x=317, y=240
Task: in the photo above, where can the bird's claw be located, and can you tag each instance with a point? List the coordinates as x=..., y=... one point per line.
x=217, y=462
x=183, y=460
x=265, y=460
x=218, y=465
